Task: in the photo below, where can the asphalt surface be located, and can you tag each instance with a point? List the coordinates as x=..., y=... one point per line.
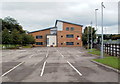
x=53, y=64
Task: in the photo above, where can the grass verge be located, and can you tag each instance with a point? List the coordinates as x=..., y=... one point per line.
x=28, y=46
x=110, y=61
x=107, y=60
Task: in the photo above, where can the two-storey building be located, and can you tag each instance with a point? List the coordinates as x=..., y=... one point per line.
x=64, y=34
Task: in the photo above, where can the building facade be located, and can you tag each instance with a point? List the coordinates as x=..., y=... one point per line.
x=64, y=34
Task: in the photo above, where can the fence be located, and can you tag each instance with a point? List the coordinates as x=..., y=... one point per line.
x=112, y=49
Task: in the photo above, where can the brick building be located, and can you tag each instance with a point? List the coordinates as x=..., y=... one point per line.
x=64, y=34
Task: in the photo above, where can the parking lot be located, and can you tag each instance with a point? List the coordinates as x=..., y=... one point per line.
x=53, y=64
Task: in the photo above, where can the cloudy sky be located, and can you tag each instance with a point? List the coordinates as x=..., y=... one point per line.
x=39, y=14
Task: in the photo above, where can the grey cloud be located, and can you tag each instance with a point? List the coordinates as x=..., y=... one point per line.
x=37, y=15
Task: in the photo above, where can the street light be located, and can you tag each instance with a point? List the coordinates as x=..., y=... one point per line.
x=91, y=35
x=88, y=36
x=96, y=18
x=96, y=21
x=102, y=6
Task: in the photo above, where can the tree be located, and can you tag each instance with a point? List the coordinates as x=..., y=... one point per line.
x=16, y=37
x=87, y=34
x=13, y=33
x=11, y=24
x=27, y=39
x=11, y=20
x=6, y=37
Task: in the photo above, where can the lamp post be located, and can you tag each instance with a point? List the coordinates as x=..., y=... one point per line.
x=96, y=18
x=96, y=21
x=88, y=36
x=102, y=6
x=91, y=35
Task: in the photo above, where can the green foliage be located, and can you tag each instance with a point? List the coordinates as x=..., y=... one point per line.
x=27, y=39
x=87, y=32
x=16, y=37
x=6, y=37
x=28, y=46
x=96, y=52
x=107, y=60
x=13, y=33
x=11, y=24
x=110, y=61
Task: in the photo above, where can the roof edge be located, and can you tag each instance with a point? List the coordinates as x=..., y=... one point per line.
x=42, y=29
x=67, y=22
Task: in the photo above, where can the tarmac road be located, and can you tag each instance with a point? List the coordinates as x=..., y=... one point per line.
x=53, y=64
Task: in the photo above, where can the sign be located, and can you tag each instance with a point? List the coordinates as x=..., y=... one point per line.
x=78, y=38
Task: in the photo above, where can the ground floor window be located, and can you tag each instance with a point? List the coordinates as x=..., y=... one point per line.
x=39, y=43
x=69, y=43
x=77, y=43
x=61, y=43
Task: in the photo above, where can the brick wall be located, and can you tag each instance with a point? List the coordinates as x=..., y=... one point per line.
x=43, y=34
x=77, y=32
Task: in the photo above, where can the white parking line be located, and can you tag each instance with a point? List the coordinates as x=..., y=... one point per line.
x=47, y=52
x=74, y=68
x=36, y=63
x=60, y=53
x=43, y=69
x=77, y=55
x=12, y=69
x=31, y=56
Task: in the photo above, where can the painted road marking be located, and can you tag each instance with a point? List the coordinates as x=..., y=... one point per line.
x=60, y=53
x=71, y=65
x=12, y=69
x=74, y=68
x=31, y=56
x=47, y=52
x=36, y=63
x=77, y=55
x=43, y=68
x=45, y=56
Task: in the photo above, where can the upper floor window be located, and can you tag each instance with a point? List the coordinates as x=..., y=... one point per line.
x=70, y=36
x=39, y=37
x=53, y=32
x=72, y=28
x=67, y=28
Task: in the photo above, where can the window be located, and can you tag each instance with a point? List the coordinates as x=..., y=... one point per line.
x=72, y=28
x=39, y=43
x=70, y=36
x=61, y=36
x=61, y=43
x=39, y=37
x=67, y=28
x=69, y=43
x=77, y=43
x=53, y=32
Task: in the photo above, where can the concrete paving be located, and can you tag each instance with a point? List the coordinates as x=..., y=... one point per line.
x=53, y=64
